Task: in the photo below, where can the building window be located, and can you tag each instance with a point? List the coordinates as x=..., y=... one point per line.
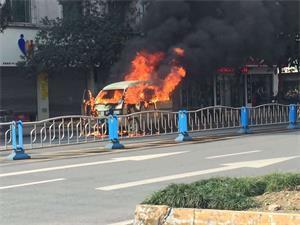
x=71, y=9
x=20, y=10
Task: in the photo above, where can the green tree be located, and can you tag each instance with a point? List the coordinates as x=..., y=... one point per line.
x=4, y=15
x=89, y=37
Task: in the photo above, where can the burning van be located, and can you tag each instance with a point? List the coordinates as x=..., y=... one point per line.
x=143, y=88
x=114, y=99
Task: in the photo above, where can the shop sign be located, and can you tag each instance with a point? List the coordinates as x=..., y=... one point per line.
x=289, y=69
x=15, y=43
x=225, y=70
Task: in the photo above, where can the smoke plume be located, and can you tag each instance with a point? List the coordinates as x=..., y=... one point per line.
x=212, y=33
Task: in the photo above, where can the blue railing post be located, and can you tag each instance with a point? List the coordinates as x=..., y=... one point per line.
x=20, y=134
x=183, y=127
x=14, y=135
x=18, y=148
x=244, y=121
x=292, y=116
x=113, y=133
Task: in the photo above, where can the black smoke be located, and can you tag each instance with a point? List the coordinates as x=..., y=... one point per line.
x=215, y=33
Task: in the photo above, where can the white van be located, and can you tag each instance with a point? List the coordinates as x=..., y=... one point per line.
x=111, y=100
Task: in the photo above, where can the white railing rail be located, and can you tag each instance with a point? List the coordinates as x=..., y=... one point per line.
x=76, y=129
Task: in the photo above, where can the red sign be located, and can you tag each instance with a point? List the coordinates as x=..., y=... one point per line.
x=244, y=69
x=225, y=70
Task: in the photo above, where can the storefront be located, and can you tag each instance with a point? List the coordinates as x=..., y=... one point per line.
x=289, y=86
x=228, y=87
x=26, y=96
x=252, y=85
x=194, y=93
x=36, y=96
x=66, y=92
x=259, y=84
x=18, y=91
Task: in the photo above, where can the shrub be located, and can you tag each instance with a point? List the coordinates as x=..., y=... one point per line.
x=279, y=181
x=222, y=192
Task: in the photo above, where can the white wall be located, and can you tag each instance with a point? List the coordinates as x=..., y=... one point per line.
x=9, y=49
x=42, y=8
x=10, y=53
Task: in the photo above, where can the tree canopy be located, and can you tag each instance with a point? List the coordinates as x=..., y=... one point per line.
x=89, y=36
x=4, y=16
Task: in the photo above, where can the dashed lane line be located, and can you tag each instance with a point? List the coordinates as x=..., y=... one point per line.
x=232, y=154
x=113, y=160
x=31, y=183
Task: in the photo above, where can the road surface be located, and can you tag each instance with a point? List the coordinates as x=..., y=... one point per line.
x=104, y=187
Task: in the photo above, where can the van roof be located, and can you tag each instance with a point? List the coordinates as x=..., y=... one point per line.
x=122, y=85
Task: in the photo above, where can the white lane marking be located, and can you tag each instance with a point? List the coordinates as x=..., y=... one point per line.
x=260, y=163
x=121, y=159
x=32, y=183
x=231, y=166
x=161, y=179
x=127, y=222
x=146, y=157
x=233, y=154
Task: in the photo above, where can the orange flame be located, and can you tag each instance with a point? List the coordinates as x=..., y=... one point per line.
x=179, y=51
x=153, y=89
x=143, y=68
x=109, y=97
x=142, y=93
x=171, y=82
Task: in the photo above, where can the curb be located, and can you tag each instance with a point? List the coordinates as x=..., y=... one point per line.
x=164, y=215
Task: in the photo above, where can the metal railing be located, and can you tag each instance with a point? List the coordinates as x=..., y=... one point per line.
x=65, y=130
x=214, y=117
x=75, y=129
x=147, y=123
x=6, y=134
x=268, y=114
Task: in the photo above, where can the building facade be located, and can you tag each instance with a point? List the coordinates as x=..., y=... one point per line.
x=40, y=96
x=256, y=84
x=27, y=96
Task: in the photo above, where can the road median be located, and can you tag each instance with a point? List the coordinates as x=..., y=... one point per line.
x=263, y=200
x=164, y=215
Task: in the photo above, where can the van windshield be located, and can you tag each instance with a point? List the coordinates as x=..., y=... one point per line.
x=109, y=96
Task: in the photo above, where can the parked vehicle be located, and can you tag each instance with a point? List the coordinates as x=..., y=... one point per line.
x=111, y=100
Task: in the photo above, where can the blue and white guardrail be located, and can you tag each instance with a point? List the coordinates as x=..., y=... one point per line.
x=75, y=129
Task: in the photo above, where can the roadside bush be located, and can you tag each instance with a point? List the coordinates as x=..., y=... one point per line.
x=279, y=181
x=222, y=192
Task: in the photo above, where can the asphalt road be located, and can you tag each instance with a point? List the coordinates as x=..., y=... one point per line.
x=104, y=187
